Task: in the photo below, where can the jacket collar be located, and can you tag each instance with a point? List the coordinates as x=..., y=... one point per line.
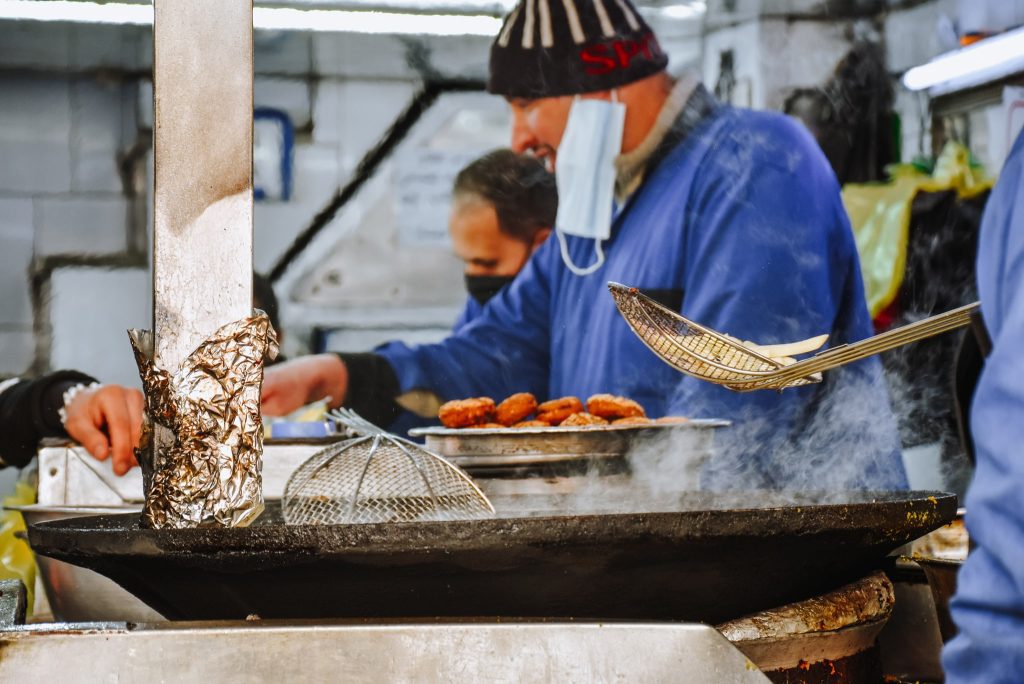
x=687, y=105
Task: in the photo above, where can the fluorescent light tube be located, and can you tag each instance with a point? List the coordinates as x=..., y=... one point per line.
x=289, y=19
x=985, y=61
x=683, y=11
x=270, y=18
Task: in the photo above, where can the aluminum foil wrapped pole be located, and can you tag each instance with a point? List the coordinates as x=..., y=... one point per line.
x=210, y=475
x=202, y=366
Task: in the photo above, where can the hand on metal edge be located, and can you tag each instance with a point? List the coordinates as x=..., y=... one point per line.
x=291, y=385
x=107, y=421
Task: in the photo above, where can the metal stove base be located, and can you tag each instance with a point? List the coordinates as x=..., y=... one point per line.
x=826, y=639
x=408, y=652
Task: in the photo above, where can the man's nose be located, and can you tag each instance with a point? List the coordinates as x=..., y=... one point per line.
x=522, y=137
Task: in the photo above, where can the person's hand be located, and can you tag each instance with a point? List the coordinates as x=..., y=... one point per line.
x=291, y=385
x=107, y=420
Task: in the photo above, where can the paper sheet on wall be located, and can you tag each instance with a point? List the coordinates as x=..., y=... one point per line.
x=423, y=191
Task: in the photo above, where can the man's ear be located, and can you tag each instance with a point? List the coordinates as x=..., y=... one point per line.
x=538, y=239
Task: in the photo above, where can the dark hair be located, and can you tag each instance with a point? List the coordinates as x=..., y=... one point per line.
x=520, y=188
x=263, y=298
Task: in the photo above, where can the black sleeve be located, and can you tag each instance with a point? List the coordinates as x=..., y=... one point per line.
x=29, y=412
x=372, y=388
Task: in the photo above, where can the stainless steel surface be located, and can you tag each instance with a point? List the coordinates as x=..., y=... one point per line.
x=708, y=355
x=948, y=543
x=377, y=477
x=69, y=476
x=480, y=652
x=941, y=553
x=13, y=597
x=559, y=460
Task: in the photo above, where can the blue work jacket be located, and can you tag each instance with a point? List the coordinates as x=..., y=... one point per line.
x=989, y=604
x=739, y=226
x=470, y=312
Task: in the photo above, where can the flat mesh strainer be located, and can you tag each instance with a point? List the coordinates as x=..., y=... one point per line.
x=703, y=353
x=378, y=477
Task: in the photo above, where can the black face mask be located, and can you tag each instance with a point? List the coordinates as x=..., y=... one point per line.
x=482, y=288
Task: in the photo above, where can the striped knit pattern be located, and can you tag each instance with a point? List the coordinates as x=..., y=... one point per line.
x=548, y=48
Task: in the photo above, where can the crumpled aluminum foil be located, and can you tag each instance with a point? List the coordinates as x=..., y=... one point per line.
x=207, y=468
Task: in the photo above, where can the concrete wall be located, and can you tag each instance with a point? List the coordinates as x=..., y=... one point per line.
x=75, y=167
x=779, y=46
x=62, y=195
x=912, y=38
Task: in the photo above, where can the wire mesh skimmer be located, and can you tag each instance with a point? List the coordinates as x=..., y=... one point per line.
x=709, y=355
x=378, y=477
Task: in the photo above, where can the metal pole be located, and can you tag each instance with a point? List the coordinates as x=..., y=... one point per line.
x=202, y=200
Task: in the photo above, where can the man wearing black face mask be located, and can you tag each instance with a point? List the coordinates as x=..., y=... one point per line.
x=503, y=207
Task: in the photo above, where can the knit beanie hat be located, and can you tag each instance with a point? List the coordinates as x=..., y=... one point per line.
x=548, y=48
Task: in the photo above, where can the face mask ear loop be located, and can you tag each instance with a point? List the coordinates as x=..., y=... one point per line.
x=567, y=260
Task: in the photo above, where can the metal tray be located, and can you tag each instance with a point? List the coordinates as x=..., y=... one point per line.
x=510, y=447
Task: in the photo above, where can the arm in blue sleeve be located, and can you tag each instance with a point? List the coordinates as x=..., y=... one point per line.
x=504, y=350
x=989, y=604
x=470, y=311
x=373, y=385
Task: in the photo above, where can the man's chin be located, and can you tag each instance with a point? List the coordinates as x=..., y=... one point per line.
x=546, y=155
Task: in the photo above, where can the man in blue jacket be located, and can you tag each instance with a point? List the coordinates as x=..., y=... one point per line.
x=989, y=604
x=731, y=216
x=503, y=209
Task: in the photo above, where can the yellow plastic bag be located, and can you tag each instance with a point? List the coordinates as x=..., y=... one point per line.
x=16, y=559
x=880, y=215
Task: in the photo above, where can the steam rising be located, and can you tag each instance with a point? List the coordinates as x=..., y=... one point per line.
x=846, y=444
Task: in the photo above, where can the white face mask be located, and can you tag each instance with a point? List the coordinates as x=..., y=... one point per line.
x=585, y=174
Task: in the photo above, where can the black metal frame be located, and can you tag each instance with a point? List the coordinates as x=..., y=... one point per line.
x=399, y=130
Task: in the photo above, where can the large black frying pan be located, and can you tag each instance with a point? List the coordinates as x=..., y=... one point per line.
x=707, y=557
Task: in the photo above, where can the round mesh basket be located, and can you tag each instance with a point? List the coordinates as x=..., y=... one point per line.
x=379, y=477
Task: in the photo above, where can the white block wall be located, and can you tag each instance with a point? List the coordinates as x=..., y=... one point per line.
x=912, y=38
x=17, y=342
x=60, y=190
x=90, y=311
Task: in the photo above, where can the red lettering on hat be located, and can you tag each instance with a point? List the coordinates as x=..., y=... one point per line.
x=597, y=57
x=651, y=47
x=626, y=50
x=605, y=58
